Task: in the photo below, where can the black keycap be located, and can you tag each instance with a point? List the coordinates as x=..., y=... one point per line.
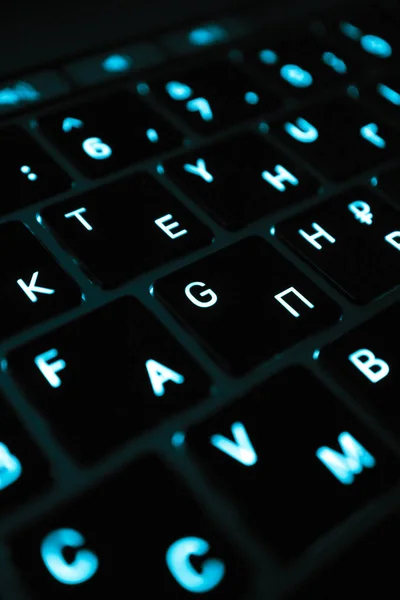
x=352, y=239
x=109, y=133
x=107, y=376
x=367, y=568
x=366, y=361
x=246, y=303
x=28, y=174
x=341, y=137
x=128, y=541
x=241, y=180
x=214, y=96
x=370, y=38
x=23, y=470
x=123, y=229
x=300, y=65
x=293, y=459
x=43, y=85
x=33, y=287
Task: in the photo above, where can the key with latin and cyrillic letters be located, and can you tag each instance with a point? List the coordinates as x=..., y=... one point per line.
x=366, y=361
x=354, y=239
x=27, y=173
x=32, y=287
x=293, y=458
x=246, y=303
x=117, y=539
x=109, y=133
x=214, y=96
x=241, y=179
x=126, y=228
x=340, y=137
x=107, y=376
x=23, y=469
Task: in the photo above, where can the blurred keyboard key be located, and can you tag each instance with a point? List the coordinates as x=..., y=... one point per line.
x=352, y=239
x=106, y=377
x=214, y=96
x=341, y=138
x=205, y=35
x=109, y=65
x=33, y=287
x=366, y=361
x=23, y=469
x=181, y=553
x=35, y=88
x=246, y=303
x=27, y=172
x=241, y=179
x=384, y=95
x=109, y=133
x=286, y=450
x=121, y=230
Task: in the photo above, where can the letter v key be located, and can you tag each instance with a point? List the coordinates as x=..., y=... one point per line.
x=241, y=449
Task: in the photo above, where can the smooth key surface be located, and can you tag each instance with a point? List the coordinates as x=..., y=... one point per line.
x=32, y=287
x=27, y=173
x=23, y=469
x=341, y=138
x=214, y=96
x=128, y=542
x=105, y=134
x=126, y=228
x=246, y=303
x=353, y=239
x=241, y=179
x=300, y=65
x=366, y=361
x=107, y=377
x=294, y=460
x=388, y=181
x=367, y=568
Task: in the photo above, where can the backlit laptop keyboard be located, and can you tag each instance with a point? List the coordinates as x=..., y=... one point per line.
x=200, y=237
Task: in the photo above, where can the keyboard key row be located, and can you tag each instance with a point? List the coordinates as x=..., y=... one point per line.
x=140, y=529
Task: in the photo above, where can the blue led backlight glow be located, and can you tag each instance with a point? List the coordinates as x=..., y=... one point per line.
x=178, y=562
x=351, y=462
x=268, y=57
x=178, y=439
x=178, y=91
x=241, y=449
x=388, y=94
x=296, y=76
x=152, y=136
x=28, y=172
x=333, y=61
x=207, y=35
x=116, y=63
x=159, y=374
x=143, y=89
x=10, y=467
x=376, y=46
x=251, y=98
x=370, y=133
x=302, y=131
x=80, y=570
x=202, y=106
x=350, y=30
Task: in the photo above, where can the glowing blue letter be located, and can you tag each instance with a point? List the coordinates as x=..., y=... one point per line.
x=368, y=366
x=96, y=149
x=303, y=131
x=351, y=462
x=276, y=180
x=370, y=133
x=50, y=370
x=296, y=76
x=178, y=91
x=200, y=170
x=201, y=304
x=241, y=449
x=81, y=569
x=10, y=467
x=160, y=374
x=376, y=45
x=320, y=233
x=32, y=288
x=333, y=61
x=177, y=558
x=389, y=94
x=201, y=106
x=361, y=211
